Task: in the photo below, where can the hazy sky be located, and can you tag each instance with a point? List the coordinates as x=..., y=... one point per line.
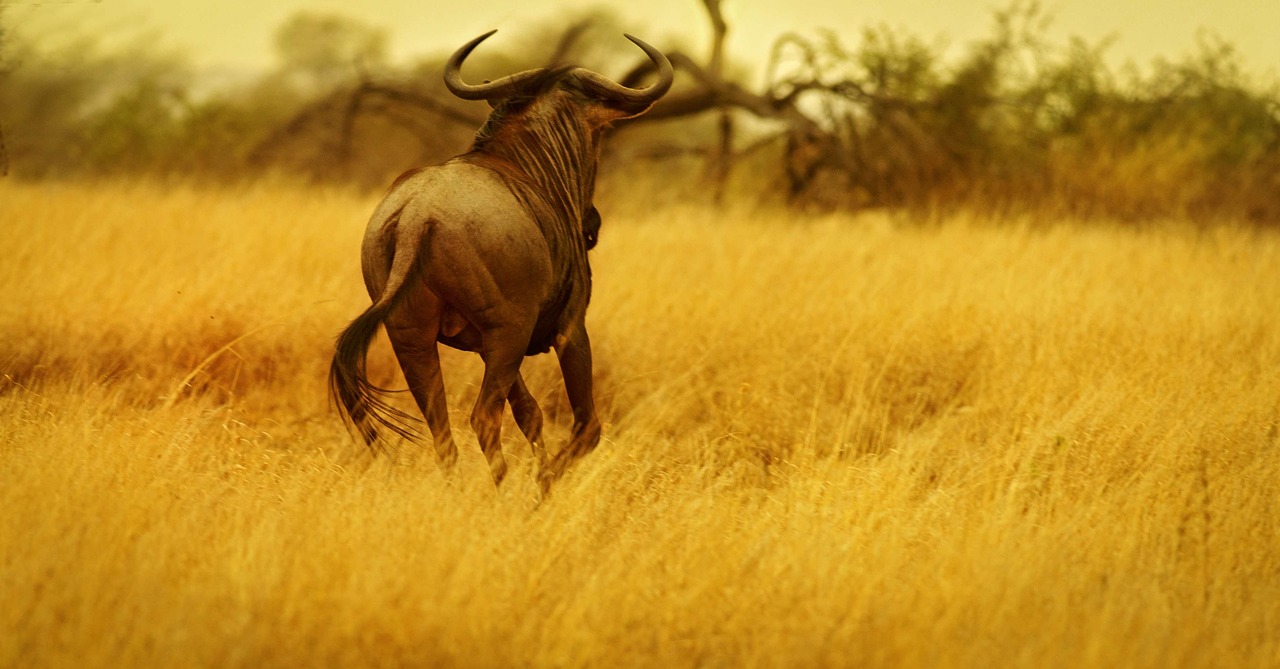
x=236, y=34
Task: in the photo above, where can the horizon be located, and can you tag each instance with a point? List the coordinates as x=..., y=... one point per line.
x=235, y=36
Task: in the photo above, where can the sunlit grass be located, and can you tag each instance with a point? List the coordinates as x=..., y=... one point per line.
x=840, y=441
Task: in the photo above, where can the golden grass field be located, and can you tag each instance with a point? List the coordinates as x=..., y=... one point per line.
x=830, y=441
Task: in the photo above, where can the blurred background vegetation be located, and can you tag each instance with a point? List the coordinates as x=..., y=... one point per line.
x=880, y=119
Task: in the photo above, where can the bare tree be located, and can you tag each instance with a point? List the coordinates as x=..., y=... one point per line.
x=811, y=95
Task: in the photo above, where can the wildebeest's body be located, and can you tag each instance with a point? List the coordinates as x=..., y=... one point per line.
x=472, y=233
x=488, y=253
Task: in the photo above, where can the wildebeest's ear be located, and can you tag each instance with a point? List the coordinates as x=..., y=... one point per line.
x=591, y=227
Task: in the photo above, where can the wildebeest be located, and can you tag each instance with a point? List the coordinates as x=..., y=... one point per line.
x=488, y=253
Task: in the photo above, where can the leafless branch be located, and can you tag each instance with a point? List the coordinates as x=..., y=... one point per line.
x=568, y=40
x=366, y=98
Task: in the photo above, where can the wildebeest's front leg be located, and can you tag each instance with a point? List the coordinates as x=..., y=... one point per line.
x=529, y=417
x=574, y=351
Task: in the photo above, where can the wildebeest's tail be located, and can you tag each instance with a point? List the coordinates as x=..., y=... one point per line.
x=362, y=404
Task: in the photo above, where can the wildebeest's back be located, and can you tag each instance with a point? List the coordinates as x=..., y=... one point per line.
x=479, y=250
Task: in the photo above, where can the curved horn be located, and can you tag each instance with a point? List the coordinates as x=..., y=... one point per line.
x=603, y=87
x=505, y=87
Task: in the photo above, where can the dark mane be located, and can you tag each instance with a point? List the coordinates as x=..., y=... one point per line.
x=540, y=83
x=547, y=157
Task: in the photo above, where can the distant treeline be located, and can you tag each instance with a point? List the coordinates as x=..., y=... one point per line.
x=879, y=119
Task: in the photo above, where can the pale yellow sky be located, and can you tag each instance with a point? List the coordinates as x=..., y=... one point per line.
x=236, y=34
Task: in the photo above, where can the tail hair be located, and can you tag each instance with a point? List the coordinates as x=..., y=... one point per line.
x=363, y=405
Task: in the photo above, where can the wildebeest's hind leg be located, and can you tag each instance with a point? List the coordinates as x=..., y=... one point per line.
x=529, y=417
x=413, y=337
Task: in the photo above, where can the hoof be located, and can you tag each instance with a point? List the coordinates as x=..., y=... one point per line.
x=498, y=468
x=545, y=479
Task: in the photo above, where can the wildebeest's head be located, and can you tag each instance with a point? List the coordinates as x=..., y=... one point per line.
x=548, y=90
x=546, y=123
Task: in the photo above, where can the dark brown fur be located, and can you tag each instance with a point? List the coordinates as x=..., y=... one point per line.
x=488, y=253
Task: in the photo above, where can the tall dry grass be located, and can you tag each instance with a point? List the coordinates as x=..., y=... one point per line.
x=829, y=442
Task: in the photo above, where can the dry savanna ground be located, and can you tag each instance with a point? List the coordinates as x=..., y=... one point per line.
x=840, y=441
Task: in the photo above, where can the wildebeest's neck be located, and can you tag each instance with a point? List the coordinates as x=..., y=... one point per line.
x=548, y=160
x=555, y=151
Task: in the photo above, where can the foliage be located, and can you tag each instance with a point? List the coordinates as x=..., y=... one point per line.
x=1019, y=122
x=1013, y=122
x=326, y=49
